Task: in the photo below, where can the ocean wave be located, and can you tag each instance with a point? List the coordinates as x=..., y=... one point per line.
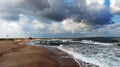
x=99, y=54
x=95, y=42
x=79, y=57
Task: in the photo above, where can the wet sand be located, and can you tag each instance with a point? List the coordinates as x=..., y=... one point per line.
x=18, y=54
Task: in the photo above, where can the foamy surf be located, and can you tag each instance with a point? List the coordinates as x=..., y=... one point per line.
x=100, y=55
x=95, y=42
x=79, y=57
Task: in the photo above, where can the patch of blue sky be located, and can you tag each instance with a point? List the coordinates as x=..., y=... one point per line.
x=70, y=1
x=116, y=19
x=107, y=3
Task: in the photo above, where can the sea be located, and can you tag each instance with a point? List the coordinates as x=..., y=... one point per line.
x=102, y=54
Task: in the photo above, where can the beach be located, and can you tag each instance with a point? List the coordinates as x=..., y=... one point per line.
x=19, y=54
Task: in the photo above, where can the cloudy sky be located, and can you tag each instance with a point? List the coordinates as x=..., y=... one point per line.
x=59, y=18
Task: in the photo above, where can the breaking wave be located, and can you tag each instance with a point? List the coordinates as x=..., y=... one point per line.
x=95, y=42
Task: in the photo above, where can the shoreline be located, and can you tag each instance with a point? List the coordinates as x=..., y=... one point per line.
x=56, y=50
x=19, y=54
x=62, y=58
x=80, y=62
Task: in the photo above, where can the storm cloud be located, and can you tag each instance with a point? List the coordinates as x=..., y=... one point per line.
x=94, y=12
x=61, y=16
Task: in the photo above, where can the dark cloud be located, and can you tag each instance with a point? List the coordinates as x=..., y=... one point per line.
x=10, y=10
x=102, y=17
x=37, y=5
x=59, y=10
x=94, y=14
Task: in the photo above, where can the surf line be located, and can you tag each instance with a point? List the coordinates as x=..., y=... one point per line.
x=60, y=48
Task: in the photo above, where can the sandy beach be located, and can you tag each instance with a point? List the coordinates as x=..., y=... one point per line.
x=18, y=54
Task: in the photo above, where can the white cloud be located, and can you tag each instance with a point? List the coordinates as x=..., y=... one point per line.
x=93, y=11
x=25, y=28
x=95, y=5
x=95, y=1
x=21, y=28
x=12, y=29
x=38, y=24
x=115, y=6
x=56, y=28
x=108, y=30
x=31, y=24
x=71, y=26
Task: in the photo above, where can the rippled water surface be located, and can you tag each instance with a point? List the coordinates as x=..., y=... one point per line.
x=101, y=54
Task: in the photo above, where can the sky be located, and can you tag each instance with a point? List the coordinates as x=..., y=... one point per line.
x=59, y=18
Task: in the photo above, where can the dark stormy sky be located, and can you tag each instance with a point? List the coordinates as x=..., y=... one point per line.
x=59, y=18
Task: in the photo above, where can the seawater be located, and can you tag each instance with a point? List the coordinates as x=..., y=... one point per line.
x=101, y=54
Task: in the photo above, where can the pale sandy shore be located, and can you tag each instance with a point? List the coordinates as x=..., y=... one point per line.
x=18, y=54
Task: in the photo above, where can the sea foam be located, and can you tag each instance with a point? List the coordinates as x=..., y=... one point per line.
x=95, y=42
x=79, y=57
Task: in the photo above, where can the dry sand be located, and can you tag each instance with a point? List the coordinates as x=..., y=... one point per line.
x=17, y=54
